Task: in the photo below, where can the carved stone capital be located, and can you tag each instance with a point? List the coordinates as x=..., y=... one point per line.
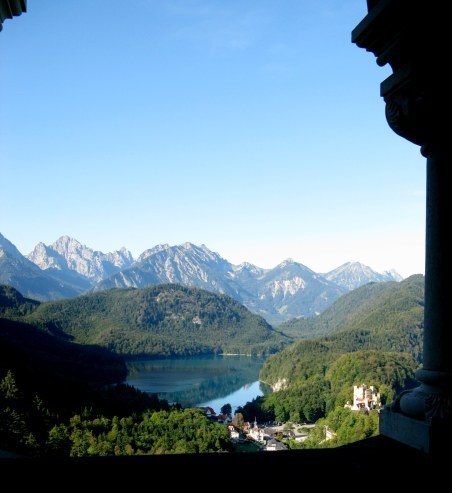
x=414, y=110
x=404, y=116
x=421, y=418
x=432, y=400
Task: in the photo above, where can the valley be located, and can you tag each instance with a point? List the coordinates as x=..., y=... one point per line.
x=71, y=348
x=318, y=335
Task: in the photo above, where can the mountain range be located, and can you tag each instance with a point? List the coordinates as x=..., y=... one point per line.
x=66, y=268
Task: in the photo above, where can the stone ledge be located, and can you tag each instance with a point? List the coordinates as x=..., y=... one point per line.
x=409, y=431
x=433, y=438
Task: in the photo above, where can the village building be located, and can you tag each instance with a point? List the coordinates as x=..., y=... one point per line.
x=224, y=418
x=298, y=437
x=210, y=413
x=233, y=433
x=256, y=433
x=273, y=445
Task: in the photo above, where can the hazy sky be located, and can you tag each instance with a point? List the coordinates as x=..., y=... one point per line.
x=252, y=126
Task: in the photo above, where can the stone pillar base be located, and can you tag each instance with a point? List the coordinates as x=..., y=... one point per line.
x=433, y=438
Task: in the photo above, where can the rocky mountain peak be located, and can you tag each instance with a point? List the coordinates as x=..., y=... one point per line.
x=352, y=275
x=120, y=258
x=18, y=271
x=247, y=266
x=6, y=247
x=46, y=257
x=394, y=274
x=290, y=265
x=68, y=253
x=152, y=251
x=67, y=244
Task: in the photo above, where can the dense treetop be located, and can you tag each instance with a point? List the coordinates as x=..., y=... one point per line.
x=13, y=304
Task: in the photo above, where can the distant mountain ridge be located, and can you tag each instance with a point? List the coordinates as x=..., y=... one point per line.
x=289, y=290
x=352, y=275
x=19, y=272
x=69, y=254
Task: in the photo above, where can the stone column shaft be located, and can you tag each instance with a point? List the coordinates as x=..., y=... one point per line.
x=437, y=355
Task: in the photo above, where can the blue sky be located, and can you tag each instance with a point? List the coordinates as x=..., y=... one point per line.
x=252, y=126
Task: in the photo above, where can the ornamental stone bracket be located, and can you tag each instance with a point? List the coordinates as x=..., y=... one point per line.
x=11, y=8
x=413, y=38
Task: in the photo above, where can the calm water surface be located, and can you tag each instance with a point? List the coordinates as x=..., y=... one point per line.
x=200, y=381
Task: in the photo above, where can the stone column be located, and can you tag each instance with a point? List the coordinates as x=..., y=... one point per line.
x=437, y=355
x=431, y=402
x=422, y=417
x=412, y=38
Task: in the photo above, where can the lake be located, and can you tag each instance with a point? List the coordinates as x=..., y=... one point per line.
x=200, y=381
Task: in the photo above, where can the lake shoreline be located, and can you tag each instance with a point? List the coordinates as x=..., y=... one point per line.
x=203, y=379
x=144, y=357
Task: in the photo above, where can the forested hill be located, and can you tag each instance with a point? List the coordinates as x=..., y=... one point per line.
x=161, y=320
x=386, y=305
x=385, y=317
x=44, y=354
x=13, y=304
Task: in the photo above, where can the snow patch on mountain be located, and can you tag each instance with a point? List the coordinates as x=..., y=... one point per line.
x=287, y=286
x=246, y=268
x=392, y=273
